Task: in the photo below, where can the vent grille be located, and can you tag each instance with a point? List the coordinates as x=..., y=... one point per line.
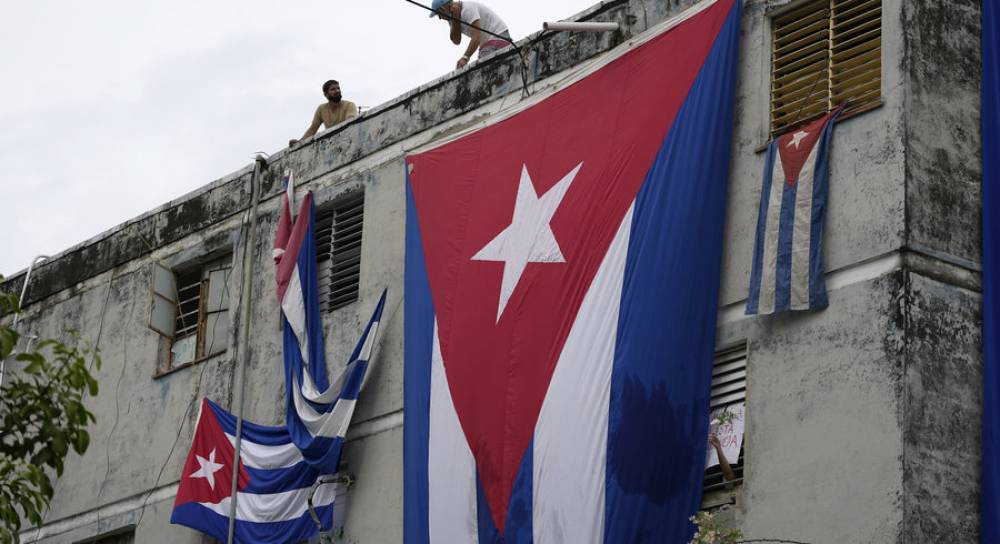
x=338, y=250
x=729, y=386
x=825, y=53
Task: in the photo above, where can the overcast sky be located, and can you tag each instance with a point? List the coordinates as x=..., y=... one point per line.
x=110, y=108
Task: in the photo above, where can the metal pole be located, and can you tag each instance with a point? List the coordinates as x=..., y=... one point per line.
x=17, y=316
x=244, y=352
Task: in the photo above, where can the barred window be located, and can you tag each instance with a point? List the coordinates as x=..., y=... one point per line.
x=825, y=53
x=191, y=310
x=339, y=228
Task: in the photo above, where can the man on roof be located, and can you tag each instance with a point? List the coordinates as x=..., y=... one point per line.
x=475, y=19
x=332, y=112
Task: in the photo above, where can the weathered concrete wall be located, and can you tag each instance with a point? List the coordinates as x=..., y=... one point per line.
x=839, y=402
x=943, y=163
x=824, y=419
x=943, y=397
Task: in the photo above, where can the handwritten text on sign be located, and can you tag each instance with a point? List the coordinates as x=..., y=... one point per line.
x=730, y=434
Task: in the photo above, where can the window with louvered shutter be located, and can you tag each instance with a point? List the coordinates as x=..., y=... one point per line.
x=338, y=250
x=729, y=387
x=825, y=53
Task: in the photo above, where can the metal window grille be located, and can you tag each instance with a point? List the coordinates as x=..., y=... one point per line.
x=339, y=230
x=191, y=309
x=825, y=53
x=729, y=387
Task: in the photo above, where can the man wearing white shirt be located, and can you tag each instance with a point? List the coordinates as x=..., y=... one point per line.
x=475, y=18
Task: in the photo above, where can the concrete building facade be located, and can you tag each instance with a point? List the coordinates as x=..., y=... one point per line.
x=863, y=420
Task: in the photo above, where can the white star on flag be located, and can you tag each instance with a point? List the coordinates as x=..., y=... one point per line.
x=797, y=138
x=529, y=238
x=208, y=468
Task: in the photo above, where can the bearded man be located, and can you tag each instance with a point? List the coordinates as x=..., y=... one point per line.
x=333, y=112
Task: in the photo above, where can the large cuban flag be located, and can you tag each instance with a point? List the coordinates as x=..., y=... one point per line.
x=319, y=409
x=990, y=502
x=274, y=484
x=562, y=273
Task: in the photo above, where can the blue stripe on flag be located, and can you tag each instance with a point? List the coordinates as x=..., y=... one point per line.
x=821, y=180
x=258, y=434
x=269, y=481
x=419, y=333
x=753, y=299
x=300, y=529
x=518, y=523
x=786, y=227
x=658, y=420
x=990, y=503
x=355, y=377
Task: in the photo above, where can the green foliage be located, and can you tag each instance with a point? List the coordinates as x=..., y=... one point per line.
x=712, y=531
x=42, y=417
x=724, y=417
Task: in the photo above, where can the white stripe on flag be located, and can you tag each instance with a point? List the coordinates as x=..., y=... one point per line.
x=332, y=424
x=451, y=470
x=274, y=507
x=293, y=306
x=769, y=263
x=571, y=436
x=802, y=233
x=262, y=456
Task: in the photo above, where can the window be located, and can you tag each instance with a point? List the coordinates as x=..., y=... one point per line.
x=191, y=311
x=126, y=536
x=825, y=53
x=729, y=391
x=338, y=250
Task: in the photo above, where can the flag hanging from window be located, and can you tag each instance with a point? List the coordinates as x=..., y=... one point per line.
x=274, y=483
x=787, y=271
x=318, y=410
x=562, y=275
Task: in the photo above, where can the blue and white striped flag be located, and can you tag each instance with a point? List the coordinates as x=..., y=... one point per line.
x=275, y=484
x=788, y=256
x=319, y=409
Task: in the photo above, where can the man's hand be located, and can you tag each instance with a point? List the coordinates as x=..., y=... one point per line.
x=461, y=62
x=293, y=142
x=713, y=439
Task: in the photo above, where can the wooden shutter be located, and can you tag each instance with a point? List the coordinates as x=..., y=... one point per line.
x=824, y=53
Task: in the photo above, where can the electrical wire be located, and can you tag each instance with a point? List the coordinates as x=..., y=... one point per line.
x=520, y=54
x=244, y=228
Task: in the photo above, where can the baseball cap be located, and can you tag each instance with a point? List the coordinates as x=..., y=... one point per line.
x=437, y=4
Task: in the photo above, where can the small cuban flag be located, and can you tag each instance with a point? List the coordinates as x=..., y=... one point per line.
x=274, y=485
x=787, y=269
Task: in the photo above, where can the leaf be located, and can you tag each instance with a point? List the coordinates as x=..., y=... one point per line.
x=81, y=442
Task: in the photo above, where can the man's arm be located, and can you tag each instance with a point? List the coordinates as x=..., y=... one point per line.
x=727, y=469
x=352, y=111
x=474, y=42
x=313, y=128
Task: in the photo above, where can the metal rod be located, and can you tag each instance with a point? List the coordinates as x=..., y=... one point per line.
x=573, y=26
x=520, y=54
x=450, y=18
x=24, y=288
x=244, y=352
x=17, y=315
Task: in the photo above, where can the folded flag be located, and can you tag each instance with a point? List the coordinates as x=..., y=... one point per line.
x=274, y=483
x=562, y=275
x=787, y=271
x=319, y=410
